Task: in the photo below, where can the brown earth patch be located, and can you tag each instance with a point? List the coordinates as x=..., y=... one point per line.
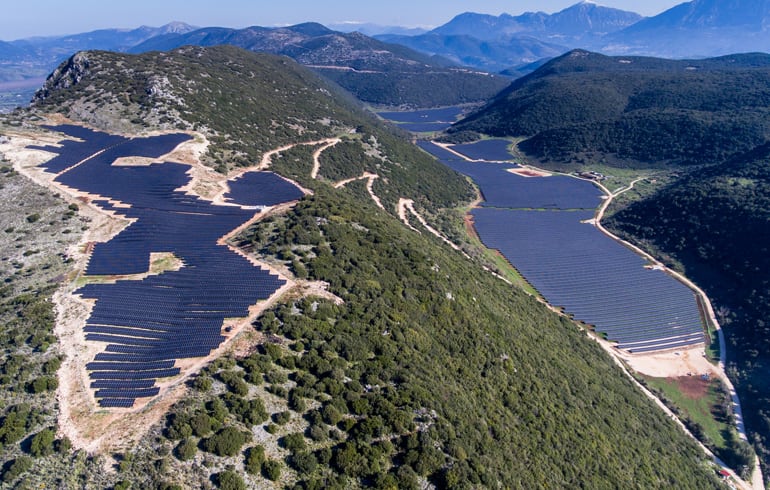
x=693, y=387
x=528, y=172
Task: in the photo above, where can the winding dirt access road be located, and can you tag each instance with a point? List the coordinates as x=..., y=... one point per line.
x=757, y=479
x=317, y=155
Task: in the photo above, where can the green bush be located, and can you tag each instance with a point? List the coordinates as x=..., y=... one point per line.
x=255, y=456
x=230, y=480
x=186, y=450
x=304, y=462
x=16, y=468
x=271, y=469
x=294, y=442
x=226, y=442
x=42, y=443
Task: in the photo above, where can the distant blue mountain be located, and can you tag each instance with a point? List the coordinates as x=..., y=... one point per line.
x=501, y=42
x=582, y=21
x=697, y=29
x=36, y=57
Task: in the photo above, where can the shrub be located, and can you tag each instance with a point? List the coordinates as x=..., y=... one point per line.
x=226, y=442
x=16, y=468
x=271, y=470
x=42, y=443
x=282, y=418
x=294, y=442
x=186, y=450
x=304, y=462
x=255, y=456
x=230, y=480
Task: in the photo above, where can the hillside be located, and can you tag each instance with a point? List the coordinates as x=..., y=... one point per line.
x=374, y=71
x=714, y=224
x=428, y=368
x=632, y=111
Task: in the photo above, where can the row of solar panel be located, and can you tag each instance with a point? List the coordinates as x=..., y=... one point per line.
x=612, y=290
x=142, y=321
x=572, y=264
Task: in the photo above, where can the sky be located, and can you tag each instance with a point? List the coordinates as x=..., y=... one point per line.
x=27, y=18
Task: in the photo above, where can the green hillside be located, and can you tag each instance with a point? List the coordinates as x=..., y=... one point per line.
x=430, y=370
x=715, y=225
x=374, y=71
x=627, y=111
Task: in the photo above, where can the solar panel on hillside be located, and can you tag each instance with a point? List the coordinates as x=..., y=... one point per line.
x=491, y=150
x=571, y=263
x=262, y=189
x=151, y=323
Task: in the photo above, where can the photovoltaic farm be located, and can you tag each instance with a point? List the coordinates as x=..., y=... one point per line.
x=427, y=120
x=149, y=324
x=490, y=150
x=544, y=227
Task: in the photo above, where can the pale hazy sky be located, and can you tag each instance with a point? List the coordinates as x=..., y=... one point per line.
x=26, y=18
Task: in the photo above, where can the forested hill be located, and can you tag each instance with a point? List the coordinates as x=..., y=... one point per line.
x=374, y=71
x=429, y=370
x=716, y=224
x=630, y=110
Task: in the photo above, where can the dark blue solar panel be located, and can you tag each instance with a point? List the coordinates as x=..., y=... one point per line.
x=446, y=115
x=571, y=263
x=491, y=150
x=262, y=189
x=178, y=314
x=593, y=277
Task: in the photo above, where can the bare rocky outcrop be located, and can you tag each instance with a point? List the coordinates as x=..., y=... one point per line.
x=66, y=75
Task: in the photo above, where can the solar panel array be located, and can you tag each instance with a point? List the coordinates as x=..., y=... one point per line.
x=446, y=114
x=575, y=266
x=149, y=324
x=491, y=150
x=262, y=189
x=502, y=189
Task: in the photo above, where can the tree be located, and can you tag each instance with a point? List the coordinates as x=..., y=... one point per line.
x=271, y=469
x=226, y=442
x=230, y=480
x=42, y=443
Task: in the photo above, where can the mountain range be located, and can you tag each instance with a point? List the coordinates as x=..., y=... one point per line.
x=700, y=28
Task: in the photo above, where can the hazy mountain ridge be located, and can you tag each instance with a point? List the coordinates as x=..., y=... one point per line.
x=700, y=28
x=697, y=28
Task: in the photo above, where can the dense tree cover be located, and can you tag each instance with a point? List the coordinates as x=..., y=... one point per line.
x=625, y=110
x=499, y=389
x=431, y=88
x=715, y=225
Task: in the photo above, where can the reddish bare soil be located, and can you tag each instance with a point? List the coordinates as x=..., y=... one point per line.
x=693, y=387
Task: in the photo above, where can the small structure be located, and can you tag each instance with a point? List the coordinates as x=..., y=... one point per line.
x=592, y=175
